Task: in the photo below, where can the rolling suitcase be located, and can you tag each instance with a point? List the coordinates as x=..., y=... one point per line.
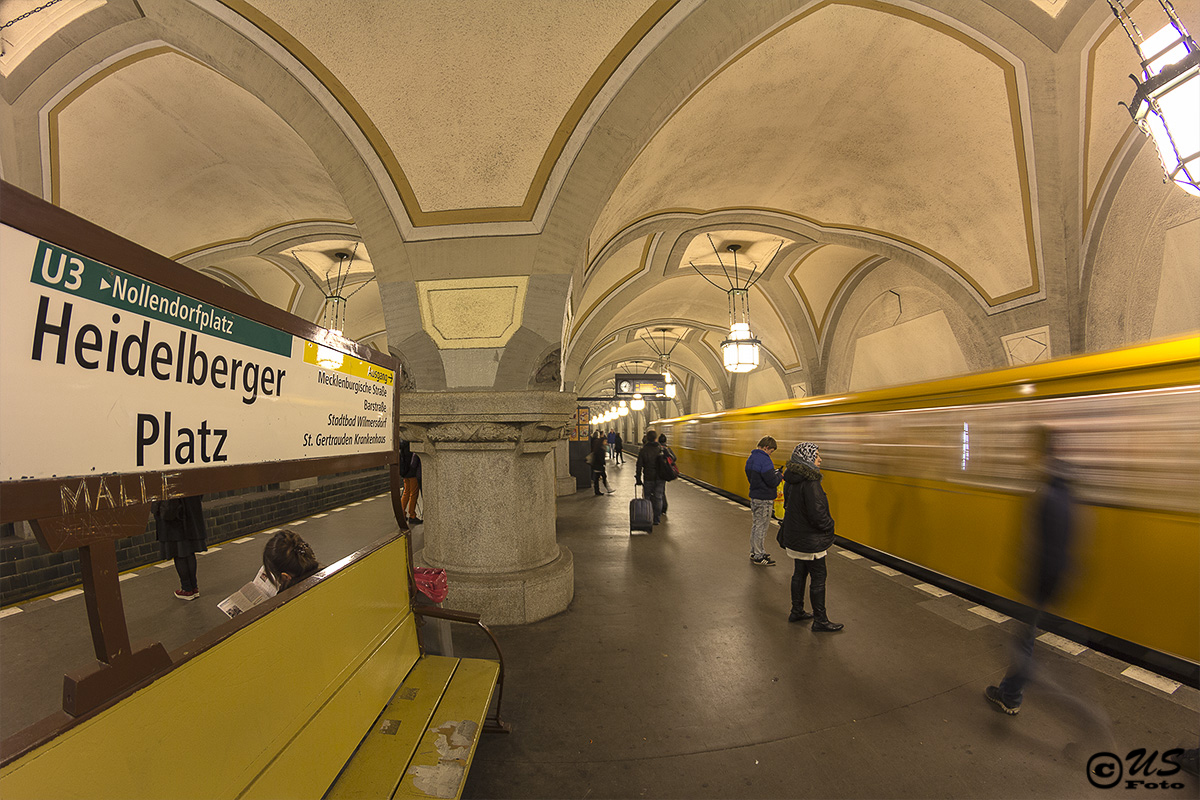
x=641, y=513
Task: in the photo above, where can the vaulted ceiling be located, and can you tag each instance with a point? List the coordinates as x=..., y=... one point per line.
x=574, y=172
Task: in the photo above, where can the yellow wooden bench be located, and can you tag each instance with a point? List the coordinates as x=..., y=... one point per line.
x=283, y=702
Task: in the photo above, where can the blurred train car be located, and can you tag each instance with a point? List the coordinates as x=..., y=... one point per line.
x=934, y=477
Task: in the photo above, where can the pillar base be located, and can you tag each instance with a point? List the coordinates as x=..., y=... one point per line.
x=512, y=598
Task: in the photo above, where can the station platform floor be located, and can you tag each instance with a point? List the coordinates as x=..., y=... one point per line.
x=674, y=672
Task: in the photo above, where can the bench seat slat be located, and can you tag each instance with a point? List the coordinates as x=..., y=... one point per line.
x=439, y=766
x=375, y=768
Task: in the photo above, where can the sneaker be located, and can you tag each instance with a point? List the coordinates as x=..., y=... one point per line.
x=992, y=693
x=763, y=561
x=415, y=521
x=182, y=595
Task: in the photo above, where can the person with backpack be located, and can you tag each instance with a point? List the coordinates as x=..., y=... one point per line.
x=647, y=473
x=672, y=471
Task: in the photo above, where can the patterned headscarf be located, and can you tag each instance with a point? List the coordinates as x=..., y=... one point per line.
x=806, y=452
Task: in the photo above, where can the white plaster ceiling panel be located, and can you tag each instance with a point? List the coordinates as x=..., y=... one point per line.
x=268, y=281
x=168, y=153
x=454, y=97
x=765, y=386
x=1112, y=60
x=619, y=267
x=692, y=297
x=921, y=349
x=321, y=259
x=820, y=272
x=22, y=38
x=756, y=250
x=852, y=117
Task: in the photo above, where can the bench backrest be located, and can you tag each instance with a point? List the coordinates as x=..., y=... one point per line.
x=273, y=709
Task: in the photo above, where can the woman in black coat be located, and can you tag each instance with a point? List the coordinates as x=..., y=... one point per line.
x=181, y=534
x=599, y=473
x=806, y=534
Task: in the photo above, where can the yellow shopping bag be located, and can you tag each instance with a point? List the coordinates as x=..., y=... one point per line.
x=778, y=509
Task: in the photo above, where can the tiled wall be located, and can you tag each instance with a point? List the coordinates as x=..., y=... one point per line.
x=26, y=570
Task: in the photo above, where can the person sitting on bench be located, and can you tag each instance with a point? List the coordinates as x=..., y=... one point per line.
x=288, y=559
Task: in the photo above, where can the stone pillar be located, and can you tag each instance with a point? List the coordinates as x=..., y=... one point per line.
x=565, y=481
x=489, y=482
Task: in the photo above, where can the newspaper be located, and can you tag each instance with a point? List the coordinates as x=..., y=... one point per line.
x=250, y=595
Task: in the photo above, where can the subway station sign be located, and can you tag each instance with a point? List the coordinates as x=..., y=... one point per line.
x=106, y=372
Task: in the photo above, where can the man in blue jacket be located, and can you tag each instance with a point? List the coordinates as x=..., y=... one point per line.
x=764, y=479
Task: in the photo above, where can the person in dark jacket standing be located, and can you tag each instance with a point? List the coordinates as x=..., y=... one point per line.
x=1050, y=533
x=179, y=524
x=806, y=534
x=764, y=480
x=618, y=450
x=599, y=473
x=646, y=473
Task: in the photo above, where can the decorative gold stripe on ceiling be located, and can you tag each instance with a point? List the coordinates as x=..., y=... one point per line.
x=819, y=326
x=263, y=232
x=909, y=243
x=460, y=216
x=580, y=319
x=1014, y=105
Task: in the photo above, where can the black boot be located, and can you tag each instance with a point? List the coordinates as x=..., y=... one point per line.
x=798, y=579
x=816, y=595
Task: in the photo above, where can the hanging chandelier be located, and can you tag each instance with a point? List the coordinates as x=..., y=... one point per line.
x=330, y=340
x=663, y=351
x=739, y=351
x=1166, y=103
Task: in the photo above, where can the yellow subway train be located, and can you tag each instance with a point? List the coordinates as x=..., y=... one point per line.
x=937, y=475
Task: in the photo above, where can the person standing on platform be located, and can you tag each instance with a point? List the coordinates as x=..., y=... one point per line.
x=618, y=449
x=806, y=534
x=662, y=444
x=646, y=473
x=611, y=440
x=410, y=471
x=179, y=524
x=1050, y=533
x=597, y=461
x=764, y=479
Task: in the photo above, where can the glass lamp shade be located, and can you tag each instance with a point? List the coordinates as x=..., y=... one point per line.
x=623, y=411
x=740, y=350
x=1167, y=105
x=670, y=390
x=637, y=403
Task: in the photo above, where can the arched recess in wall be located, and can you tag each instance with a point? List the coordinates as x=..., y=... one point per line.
x=1143, y=281
x=896, y=325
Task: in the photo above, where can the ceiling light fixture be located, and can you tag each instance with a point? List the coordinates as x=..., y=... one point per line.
x=739, y=352
x=1166, y=103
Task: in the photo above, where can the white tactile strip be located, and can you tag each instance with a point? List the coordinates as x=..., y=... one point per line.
x=987, y=613
x=8, y=612
x=294, y=523
x=164, y=565
x=1066, y=645
x=127, y=576
x=933, y=590
x=243, y=540
x=850, y=554
x=1150, y=679
x=318, y=516
x=66, y=594
x=209, y=550
x=891, y=573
